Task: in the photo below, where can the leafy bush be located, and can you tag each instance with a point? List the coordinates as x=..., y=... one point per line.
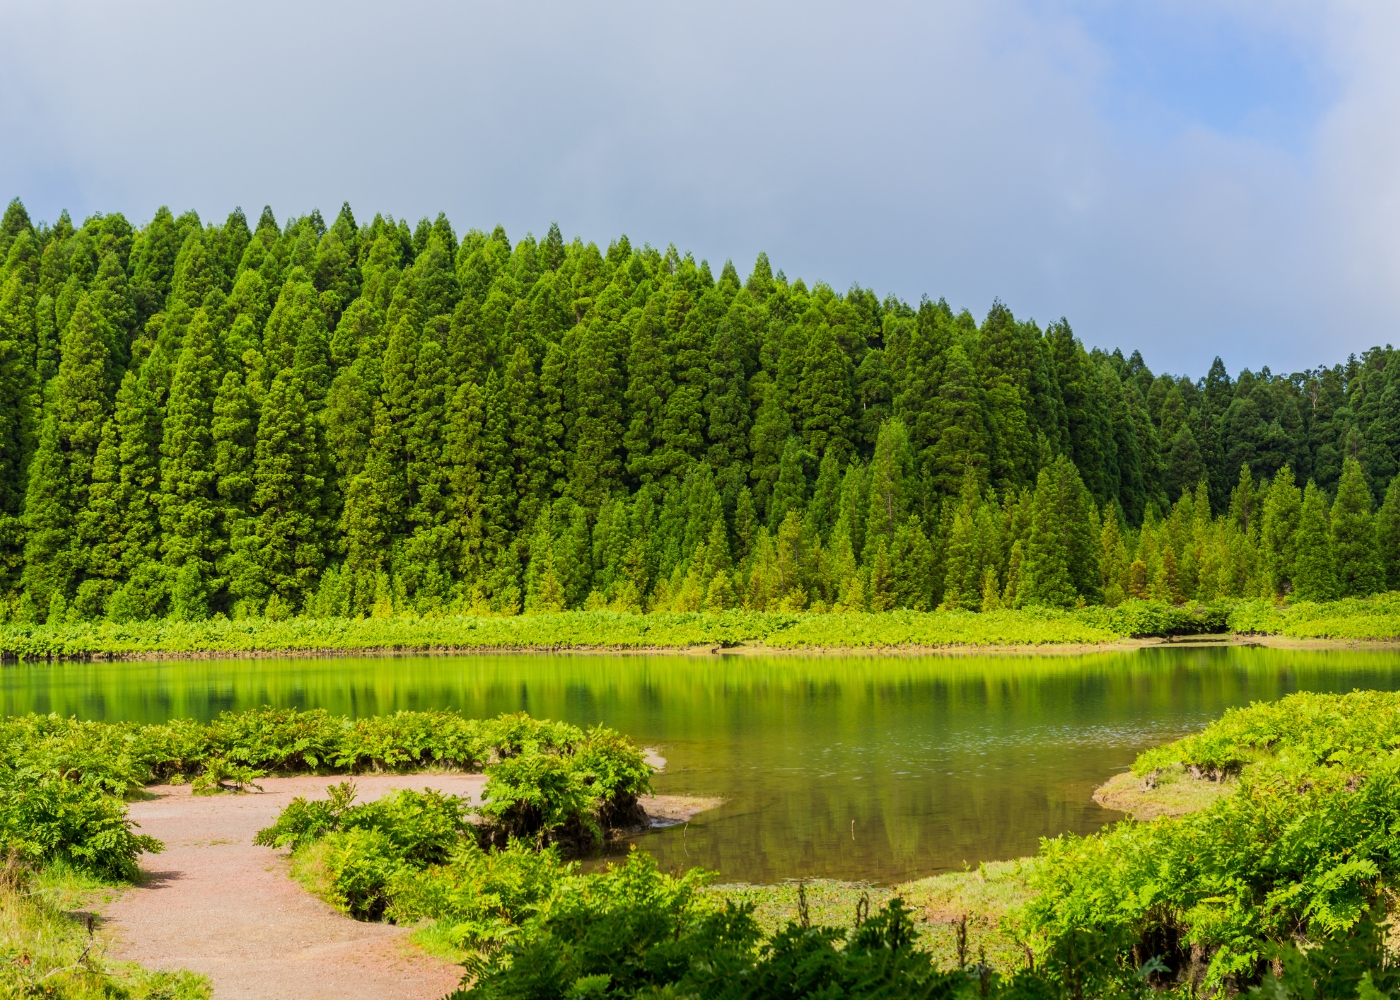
x=306, y=821
x=1304, y=730
x=633, y=931
x=47, y=818
x=359, y=865
x=421, y=828
x=570, y=794
x=1305, y=848
x=480, y=897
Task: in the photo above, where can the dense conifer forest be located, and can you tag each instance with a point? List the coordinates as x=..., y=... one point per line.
x=344, y=420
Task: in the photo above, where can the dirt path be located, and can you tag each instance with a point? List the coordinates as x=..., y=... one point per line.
x=216, y=904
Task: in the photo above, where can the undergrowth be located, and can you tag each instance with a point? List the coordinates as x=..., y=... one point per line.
x=50, y=948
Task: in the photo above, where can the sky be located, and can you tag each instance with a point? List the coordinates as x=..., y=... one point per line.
x=1182, y=177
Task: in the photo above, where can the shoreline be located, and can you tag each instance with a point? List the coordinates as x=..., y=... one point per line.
x=754, y=648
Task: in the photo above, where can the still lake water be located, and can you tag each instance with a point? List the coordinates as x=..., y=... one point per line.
x=863, y=767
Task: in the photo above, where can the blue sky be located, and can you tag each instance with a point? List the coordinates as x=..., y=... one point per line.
x=1186, y=178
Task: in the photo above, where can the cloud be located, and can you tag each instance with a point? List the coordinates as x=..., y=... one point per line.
x=1057, y=156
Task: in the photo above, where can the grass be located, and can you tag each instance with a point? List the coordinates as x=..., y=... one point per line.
x=1359, y=619
x=971, y=912
x=610, y=630
x=1172, y=791
x=50, y=947
x=1371, y=618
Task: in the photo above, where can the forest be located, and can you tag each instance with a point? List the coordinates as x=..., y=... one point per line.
x=342, y=420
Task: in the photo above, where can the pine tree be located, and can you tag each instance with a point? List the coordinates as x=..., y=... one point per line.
x=189, y=502
x=826, y=398
x=1388, y=534
x=889, y=486
x=1113, y=559
x=959, y=442
x=233, y=434
x=595, y=470
x=1314, y=578
x=648, y=384
x=1354, y=552
x=374, y=507
x=142, y=593
x=1061, y=555
x=790, y=491
x=99, y=529
x=48, y=524
x=520, y=393
x=912, y=566
x=1279, y=529
x=289, y=495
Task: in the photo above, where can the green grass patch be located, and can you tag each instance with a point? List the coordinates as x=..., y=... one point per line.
x=50, y=946
x=1360, y=619
x=612, y=630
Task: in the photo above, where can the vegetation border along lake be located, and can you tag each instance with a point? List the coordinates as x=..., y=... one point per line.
x=1288, y=870
x=1357, y=619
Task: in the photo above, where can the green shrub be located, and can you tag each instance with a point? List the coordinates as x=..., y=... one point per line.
x=359, y=865
x=1304, y=848
x=480, y=897
x=421, y=827
x=306, y=821
x=49, y=818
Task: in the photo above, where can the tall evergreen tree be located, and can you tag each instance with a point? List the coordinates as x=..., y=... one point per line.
x=1388, y=534
x=1282, y=507
x=1314, y=577
x=1354, y=553
x=289, y=496
x=189, y=500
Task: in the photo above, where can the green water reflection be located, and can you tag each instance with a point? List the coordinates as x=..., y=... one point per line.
x=852, y=767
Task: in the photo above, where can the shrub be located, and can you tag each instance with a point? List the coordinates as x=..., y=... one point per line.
x=480, y=897
x=49, y=818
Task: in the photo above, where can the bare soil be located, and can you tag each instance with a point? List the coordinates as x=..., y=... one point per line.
x=215, y=903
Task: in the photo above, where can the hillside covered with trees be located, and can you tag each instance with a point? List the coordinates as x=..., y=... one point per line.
x=346, y=420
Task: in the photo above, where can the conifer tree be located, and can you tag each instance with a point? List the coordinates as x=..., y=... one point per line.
x=959, y=442
x=1314, y=578
x=889, y=486
x=48, y=525
x=595, y=468
x=233, y=434
x=520, y=392
x=826, y=397
x=648, y=384
x=99, y=529
x=1279, y=528
x=289, y=495
x=188, y=503
x=142, y=592
x=1388, y=534
x=1355, y=557
x=912, y=567
x=790, y=491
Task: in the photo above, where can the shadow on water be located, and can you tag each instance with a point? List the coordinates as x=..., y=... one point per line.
x=846, y=767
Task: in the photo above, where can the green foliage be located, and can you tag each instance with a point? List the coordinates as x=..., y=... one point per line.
x=63, y=780
x=1303, y=850
x=48, y=947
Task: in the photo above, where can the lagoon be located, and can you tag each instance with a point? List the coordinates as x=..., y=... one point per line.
x=882, y=768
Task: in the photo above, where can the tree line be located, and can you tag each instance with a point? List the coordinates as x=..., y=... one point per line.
x=341, y=420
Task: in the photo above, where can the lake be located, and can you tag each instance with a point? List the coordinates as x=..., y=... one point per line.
x=855, y=767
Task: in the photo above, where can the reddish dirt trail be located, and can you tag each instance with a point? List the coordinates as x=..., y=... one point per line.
x=217, y=904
